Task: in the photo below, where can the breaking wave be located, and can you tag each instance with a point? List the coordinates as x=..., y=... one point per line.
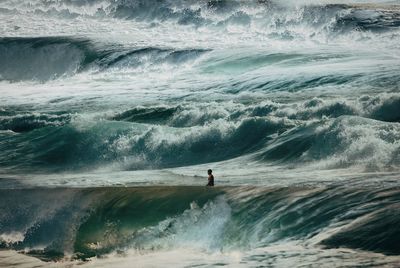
x=269, y=14
x=328, y=134
x=93, y=222
x=46, y=58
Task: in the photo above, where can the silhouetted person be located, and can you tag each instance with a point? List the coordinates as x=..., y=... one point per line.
x=210, y=178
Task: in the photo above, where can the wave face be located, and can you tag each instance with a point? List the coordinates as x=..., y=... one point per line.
x=43, y=59
x=95, y=222
x=29, y=59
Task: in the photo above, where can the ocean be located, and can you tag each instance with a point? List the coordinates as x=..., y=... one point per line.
x=112, y=111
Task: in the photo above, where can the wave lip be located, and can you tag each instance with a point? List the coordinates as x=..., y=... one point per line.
x=148, y=58
x=31, y=121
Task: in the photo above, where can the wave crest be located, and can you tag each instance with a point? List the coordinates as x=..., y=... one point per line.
x=46, y=58
x=83, y=223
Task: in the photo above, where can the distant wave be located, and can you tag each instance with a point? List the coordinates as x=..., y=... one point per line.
x=46, y=58
x=328, y=134
x=133, y=146
x=280, y=18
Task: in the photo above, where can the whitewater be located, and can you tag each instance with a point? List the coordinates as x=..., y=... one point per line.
x=112, y=111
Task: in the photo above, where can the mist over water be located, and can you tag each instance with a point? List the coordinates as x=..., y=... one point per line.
x=295, y=105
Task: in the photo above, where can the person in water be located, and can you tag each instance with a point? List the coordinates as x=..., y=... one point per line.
x=210, y=178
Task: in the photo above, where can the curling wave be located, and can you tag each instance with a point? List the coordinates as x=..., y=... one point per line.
x=94, y=222
x=46, y=58
x=133, y=146
x=326, y=134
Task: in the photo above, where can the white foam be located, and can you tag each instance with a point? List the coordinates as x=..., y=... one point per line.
x=12, y=237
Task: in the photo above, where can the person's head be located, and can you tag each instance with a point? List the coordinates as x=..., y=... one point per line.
x=209, y=172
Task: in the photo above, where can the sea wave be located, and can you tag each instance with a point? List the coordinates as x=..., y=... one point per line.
x=319, y=15
x=46, y=58
x=93, y=222
x=134, y=146
x=325, y=133
x=340, y=143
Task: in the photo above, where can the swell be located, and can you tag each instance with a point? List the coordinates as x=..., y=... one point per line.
x=46, y=58
x=131, y=146
x=326, y=134
x=97, y=221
